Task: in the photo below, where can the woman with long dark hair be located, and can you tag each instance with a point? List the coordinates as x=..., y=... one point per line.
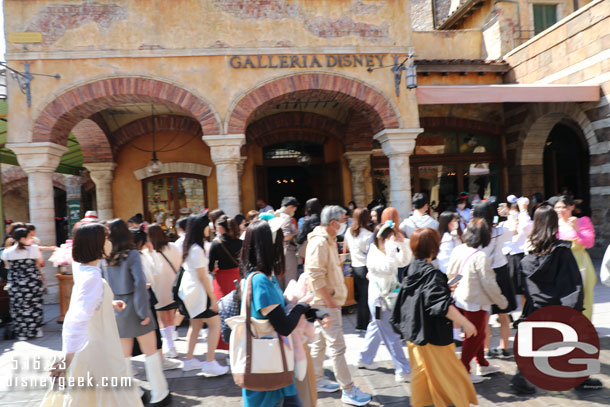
x=500, y=236
x=224, y=260
x=313, y=208
x=259, y=256
x=91, y=343
x=358, y=239
x=552, y=277
x=124, y=273
x=581, y=233
x=197, y=293
x=451, y=237
x=26, y=286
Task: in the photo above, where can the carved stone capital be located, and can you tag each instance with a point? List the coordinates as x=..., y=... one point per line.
x=225, y=149
x=398, y=141
x=38, y=157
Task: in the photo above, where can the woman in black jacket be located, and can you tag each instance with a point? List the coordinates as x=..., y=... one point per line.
x=423, y=315
x=551, y=277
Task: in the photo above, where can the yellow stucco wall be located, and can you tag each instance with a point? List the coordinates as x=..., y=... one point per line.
x=193, y=49
x=449, y=44
x=127, y=190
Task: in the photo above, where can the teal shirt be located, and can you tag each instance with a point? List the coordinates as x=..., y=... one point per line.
x=266, y=292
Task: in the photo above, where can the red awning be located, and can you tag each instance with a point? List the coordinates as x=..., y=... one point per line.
x=460, y=94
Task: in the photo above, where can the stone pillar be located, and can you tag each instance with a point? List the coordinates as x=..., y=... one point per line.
x=102, y=175
x=398, y=145
x=359, y=163
x=39, y=161
x=225, y=151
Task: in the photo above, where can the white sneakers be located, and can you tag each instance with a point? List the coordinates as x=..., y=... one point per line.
x=192, y=364
x=213, y=368
x=170, y=364
x=477, y=379
x=208, y=369
x=402, y=377
x=487, y=370
x=170, y=353
x=368, y=366
x=39, y=333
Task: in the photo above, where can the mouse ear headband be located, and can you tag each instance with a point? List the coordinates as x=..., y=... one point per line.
x=387, y=224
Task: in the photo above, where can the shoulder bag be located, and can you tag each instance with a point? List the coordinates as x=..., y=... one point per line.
x=176, y=285
x=261, y=359
x=227, y=251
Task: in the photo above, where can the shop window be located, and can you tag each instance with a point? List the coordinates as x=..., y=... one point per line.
x=447, y=163
x=545, y=15
x=447, y=142
x=169, y=197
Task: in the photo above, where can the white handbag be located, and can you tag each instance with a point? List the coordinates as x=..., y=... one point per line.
x=261, y=359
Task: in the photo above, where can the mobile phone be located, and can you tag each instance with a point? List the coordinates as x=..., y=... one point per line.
x=455, y=280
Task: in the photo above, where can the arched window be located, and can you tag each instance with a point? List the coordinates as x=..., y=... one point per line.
x=168, y=197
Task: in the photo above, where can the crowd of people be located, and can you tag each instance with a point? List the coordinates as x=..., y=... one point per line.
x=430, y=282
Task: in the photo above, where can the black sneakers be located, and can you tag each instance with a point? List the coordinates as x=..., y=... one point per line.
x=521, y=385
x=499, y=353
x=590, y=384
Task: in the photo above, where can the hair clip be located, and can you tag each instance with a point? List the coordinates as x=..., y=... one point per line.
x=387, y=224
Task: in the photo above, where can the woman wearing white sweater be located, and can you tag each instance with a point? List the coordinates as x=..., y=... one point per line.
x=358, y=239
x=383, y=260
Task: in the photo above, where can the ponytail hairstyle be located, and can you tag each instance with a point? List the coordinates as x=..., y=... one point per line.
x=19, y=234
x=230, y=226
x=122, y=241
x=157, y=237
x=139, y=236
x=382, y=232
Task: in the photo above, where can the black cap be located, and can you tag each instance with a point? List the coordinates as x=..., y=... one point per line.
x=290, y=200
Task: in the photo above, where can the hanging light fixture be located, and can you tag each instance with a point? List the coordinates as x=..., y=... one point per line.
x=154, y=165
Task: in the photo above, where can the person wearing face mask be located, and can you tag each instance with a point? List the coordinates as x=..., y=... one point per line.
x=463, y=210
x=420, y=218
x=384, y=258
x=325, y=280
x=284, y=217
x=451, y=237
x=23, y=260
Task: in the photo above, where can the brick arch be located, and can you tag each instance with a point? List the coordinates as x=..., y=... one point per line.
x=57, y=119
x=290, y=126
x=538, y=125
x=144, y=126
x=94, y=143
x=380, y=111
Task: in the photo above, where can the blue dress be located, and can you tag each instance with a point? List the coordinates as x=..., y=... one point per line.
x=266, y=292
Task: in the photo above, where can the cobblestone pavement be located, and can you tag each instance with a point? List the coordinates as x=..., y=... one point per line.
x=192, y=390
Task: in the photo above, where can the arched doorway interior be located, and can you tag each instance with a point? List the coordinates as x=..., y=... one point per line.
x=566, y=164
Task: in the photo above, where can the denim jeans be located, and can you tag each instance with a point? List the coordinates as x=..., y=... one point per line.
x=290, y=401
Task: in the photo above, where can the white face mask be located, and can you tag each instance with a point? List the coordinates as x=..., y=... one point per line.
x=342, y=228
x=461, y=206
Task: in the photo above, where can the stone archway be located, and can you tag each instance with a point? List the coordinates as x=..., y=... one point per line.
x=59, y=117
x=380, y=111
x=93, y=141
x=535, y=130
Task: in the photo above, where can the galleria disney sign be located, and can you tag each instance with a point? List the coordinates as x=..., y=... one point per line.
x=311, y=61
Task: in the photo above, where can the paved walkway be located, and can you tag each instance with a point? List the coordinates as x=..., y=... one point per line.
x=192, y=390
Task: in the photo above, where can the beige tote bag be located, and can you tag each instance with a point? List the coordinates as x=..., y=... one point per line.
x=261, y=359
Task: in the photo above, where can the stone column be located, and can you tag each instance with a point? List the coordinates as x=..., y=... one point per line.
x=398, y=145
x=39, y=161
x=102, y=175
x=359, y=163
x=225, y=151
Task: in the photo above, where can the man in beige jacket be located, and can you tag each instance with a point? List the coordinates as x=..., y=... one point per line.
x=325, y=280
